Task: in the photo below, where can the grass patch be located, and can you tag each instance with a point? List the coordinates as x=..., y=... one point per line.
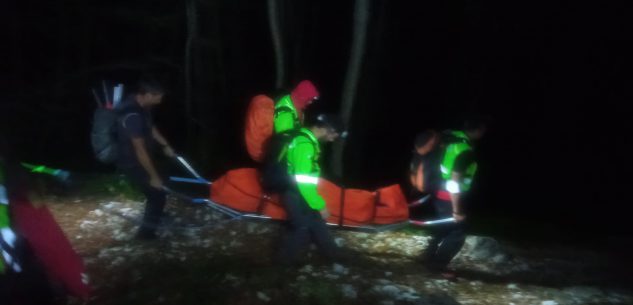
x=107, y=186
x=415, y=230
x=317, y=291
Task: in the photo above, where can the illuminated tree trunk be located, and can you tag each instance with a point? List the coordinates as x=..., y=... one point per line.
x=275, y=33
x=192, y=35
x=357, y=50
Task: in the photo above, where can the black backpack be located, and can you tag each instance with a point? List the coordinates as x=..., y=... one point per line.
x=447, y=137
x=274, y=169
x=104, y=124
x=104, y=135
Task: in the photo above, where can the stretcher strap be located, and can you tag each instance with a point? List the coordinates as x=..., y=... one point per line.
x=374, y=211
x=342, y=208
x=263, y=201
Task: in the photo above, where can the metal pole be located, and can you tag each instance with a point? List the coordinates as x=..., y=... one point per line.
x=107, y=101
x=190, y=180
x=216, y=206
x=431, y=222
x=97, y=99
x=188, y=167
x=420, y=201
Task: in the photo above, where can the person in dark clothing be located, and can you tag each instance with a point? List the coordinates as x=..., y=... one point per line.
x=138, y=140
x=424, y=175
x=457, y=166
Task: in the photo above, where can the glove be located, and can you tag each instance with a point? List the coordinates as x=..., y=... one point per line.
x=62, y=175
x=7, y=246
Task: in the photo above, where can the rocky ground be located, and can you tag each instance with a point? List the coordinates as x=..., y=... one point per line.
x=202, y=258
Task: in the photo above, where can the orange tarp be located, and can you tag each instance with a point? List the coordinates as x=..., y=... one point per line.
x=240, y=189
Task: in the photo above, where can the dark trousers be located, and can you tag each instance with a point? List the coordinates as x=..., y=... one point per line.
x=155, y=199
x=31, y=285
x=304, y=225
x=447, y=239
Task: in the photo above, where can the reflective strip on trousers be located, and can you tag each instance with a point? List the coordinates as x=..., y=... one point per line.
x=443, y=169
x=306, y=179
x=3, y=195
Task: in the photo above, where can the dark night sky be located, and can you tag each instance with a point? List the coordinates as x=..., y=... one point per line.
x=555, y=76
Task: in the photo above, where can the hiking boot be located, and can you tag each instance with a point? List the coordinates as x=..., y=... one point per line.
x=442, y=272
x=449, y=275
x=434, y=267
x=346, y=256
x=424, y=259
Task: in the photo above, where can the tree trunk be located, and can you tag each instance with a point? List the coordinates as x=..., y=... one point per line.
x=62, y=42
x=17, y=75
x=275, y=33
x=220, y=67
x=192, y=35
x=357, y=50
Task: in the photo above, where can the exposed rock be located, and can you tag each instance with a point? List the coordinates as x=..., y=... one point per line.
x=306, y=269
x=262, y=296
x=390, y=290
x=483, y=249
x=349, y=291
x=340, y=269
x=339, y=241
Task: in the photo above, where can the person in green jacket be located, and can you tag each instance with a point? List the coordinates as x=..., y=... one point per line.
x=7, y=236
x=8, y=259
x=23, y=279
x=457, y=169
x=289, y=108
x=305, y=207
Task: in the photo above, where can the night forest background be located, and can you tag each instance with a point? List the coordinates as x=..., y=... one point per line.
x=554, y=76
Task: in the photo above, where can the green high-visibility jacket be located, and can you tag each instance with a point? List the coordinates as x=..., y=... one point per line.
x=286, y=115
x=458, y=144
x=4, y=199
x=303, y=166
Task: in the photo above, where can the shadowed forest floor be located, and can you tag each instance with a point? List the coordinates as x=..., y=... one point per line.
x=202, y=258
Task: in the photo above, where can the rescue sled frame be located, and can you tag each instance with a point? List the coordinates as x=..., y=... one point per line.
x=235, y=214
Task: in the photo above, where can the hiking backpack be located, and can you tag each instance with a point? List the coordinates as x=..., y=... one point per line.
x=103, y=136
x=274, y=168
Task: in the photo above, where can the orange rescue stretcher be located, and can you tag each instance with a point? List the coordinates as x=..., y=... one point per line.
x=238, y=194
